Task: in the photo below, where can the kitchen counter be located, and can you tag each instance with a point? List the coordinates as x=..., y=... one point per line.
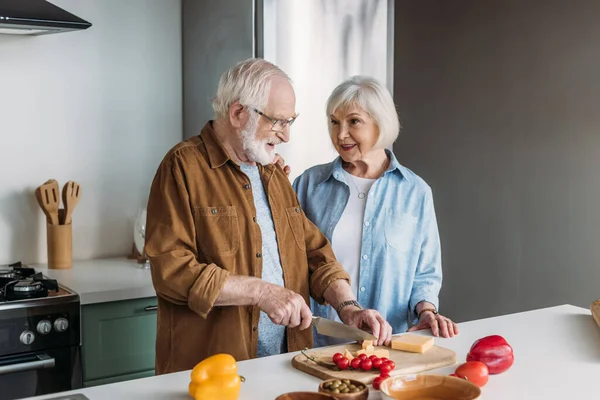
x=557, y=356
x=104, y=280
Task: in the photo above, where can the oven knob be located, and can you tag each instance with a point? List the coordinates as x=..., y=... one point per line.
x=61, y=324
x=44, y=326
x=27, y=337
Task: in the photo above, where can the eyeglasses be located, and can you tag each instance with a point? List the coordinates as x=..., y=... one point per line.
x=277, y=124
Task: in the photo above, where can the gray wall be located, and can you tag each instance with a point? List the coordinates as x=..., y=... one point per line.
x=216, y=34
x=499, y=102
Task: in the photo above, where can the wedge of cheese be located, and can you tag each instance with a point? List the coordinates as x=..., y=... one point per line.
x=366, y=343
x=348, y=355
x=412, y=343
x=382, y=353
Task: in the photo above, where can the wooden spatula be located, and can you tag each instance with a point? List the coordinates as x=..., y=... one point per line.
x=50, y=200
x=70, y=197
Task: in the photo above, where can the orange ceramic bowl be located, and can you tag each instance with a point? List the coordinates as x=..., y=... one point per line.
x=430, y=387
x=305, y=396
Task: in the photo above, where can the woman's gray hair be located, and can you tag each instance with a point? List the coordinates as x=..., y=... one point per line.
x=374, y=98
x=248, y=82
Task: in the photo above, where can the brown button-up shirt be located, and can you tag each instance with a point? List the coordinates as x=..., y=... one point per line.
x=201, y=228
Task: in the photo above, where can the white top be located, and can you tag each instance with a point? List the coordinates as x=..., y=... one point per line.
x=557, y=353
x=346, y=240
x=103, y=280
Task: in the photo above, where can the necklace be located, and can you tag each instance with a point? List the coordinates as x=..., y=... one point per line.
x=361, y=195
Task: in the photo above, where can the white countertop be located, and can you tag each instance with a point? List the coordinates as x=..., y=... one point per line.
x=103, y=280
x=557, y=356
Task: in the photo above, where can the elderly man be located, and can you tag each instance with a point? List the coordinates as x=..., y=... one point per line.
x=233, y=256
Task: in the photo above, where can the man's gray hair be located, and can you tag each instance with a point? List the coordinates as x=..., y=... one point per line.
x=374, y=98
x=248, y=82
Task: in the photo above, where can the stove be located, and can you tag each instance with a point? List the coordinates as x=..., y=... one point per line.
x=39, y=334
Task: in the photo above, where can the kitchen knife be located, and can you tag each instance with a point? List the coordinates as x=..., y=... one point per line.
x=331, y=328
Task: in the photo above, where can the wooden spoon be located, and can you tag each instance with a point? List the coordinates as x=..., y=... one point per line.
x=50, y=200
x=70, y=197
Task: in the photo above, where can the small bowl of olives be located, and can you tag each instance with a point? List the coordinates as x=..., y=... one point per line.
x=345, y=389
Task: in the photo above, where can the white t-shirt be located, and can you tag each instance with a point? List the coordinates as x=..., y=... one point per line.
x=346, y=240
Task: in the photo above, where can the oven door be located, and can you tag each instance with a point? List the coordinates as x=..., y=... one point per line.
x=34, y=374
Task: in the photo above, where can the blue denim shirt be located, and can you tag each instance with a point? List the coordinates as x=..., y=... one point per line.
x=401, y=263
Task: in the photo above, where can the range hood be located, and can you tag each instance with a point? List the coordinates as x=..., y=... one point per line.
x=37, y=17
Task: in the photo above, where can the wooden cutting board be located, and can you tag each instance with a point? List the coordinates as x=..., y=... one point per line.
x=595, y=308
x=406, y=363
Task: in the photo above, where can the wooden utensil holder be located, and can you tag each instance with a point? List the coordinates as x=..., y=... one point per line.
x=60, y=246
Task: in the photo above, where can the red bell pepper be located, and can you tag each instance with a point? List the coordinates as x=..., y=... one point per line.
x=494, y=351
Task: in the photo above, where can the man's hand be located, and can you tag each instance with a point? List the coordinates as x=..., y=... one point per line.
x=280, y=162
x=370, y=319
x=284, y=307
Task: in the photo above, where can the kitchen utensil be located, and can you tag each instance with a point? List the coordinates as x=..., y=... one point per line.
x=406, y=363
x=418, y=387
x=50, y=200
x=40, y=200
x=305, y=396
x=70, y=197
x=595, y=308
x=361, y=395
x=336, y=329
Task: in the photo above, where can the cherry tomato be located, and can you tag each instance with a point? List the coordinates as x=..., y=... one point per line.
x=355, y=363
x=385, y=376
x=337, y=356
x=385, y=368
x=373, y=357
x=362, y=356
x=377, y=382
x=343, y=363
x=474, y=371
x=377, y=363
x=391, y=364
x=366, y=364
x=384, y=359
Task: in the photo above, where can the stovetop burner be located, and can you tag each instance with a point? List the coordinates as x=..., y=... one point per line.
x=21, y=282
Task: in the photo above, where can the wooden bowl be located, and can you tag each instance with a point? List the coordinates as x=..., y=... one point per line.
x=361, y=395
x=412, y=387
x=305, y=396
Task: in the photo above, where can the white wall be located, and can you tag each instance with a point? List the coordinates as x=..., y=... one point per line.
x=100, y=107
x=319, y=44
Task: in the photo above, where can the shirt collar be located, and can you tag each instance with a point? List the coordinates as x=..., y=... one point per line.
x=336, y=171
x=217, y=155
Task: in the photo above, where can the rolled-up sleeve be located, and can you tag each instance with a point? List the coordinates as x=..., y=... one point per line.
x=428, y=277
x=170, y=244
x=322, y=264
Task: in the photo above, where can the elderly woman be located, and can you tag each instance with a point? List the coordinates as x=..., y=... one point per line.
x=378, y=215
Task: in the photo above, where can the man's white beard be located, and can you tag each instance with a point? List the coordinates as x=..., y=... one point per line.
x=255, y=149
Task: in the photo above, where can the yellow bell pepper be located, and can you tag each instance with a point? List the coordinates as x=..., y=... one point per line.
x=215, y=378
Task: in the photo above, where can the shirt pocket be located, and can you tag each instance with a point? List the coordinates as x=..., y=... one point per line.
x=296, y=221
x=400, y=230
x=217, y=230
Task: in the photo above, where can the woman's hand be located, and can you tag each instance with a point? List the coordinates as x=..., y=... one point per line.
x=438, y=324
x=280, y=162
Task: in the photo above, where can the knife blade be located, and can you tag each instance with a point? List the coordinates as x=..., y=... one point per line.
x=336, y=329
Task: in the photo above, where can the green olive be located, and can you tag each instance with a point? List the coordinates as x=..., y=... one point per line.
x=346, y=381
x=355, y=390
x=335, y=391
x=352, y=386
x=345, y=390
